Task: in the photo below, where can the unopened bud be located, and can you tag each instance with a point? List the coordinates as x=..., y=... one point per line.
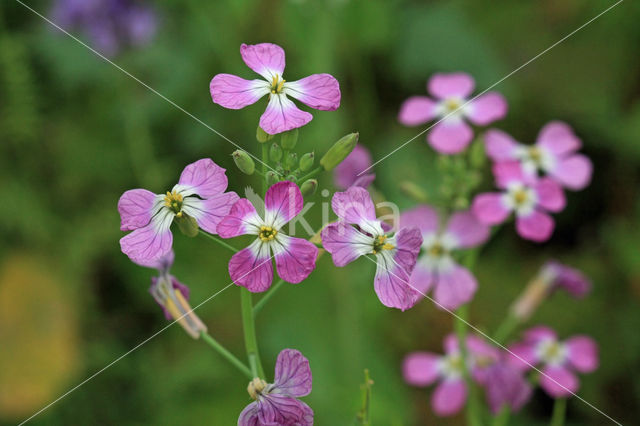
x=339, y=151
x=291, y=161
x=244, y=162
x=275, y=153
x=187, y=225
x=477, y=155
x=309, y=187
x=272, y=177
x=306, y=162
x=289, y=139
x=263, y=136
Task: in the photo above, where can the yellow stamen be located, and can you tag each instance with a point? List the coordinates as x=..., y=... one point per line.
x=267, y=233
x=277, y=84
x=380, y=244
x=255, y=387
x=520, y=197
x=173, y=200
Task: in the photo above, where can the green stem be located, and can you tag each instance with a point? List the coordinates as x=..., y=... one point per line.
x=311, y=174
x=502, y=418
x=226, y=354
x=263, y=301
x=559, y=412
x=473, y=407
x=219, y=241
x=250, y=341
x=505, y=329
x=265, y=159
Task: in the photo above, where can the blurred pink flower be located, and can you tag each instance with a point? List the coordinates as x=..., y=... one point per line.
x=559, y=276
x=506, y=385
x=346, y=173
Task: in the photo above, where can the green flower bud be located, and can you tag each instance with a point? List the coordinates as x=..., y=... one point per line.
x=339, y=151
x=292, y=178
x=306, y=162
x=291, y=161
x=263, y=136
x=244, y=162
x=477, y=155
x=414, y=192
x=272, y=177
x=289, y=139
x=275, y=153
x=187, y=225
x=309, y=187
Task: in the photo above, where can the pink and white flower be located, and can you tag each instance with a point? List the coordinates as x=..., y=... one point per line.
x=319, y=91
x=526, y=196
x=346, y=174
x=359, y=233
x=295, y=257
x=553, y=154
x=276, y=403
x=453, y=284
x=452, y=92
x=199, y=195
x=559, y=360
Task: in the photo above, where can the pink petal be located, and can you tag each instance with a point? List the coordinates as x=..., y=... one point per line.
x=450, y=136
x=420, y=368
x=506, y=386
x=573, y=172
x=510, y=172
x=454, y=288
x=539, y=333
x=558, y=137
x=365, y=180
x=242, y=219
x=582, y=353
x=536, y=226
x=346, y=173
x=208, y=213
x=422, y=278
x=354, y=206
x=345, y=243
x=467, y=230
x=450, y=344
x=319, y=91
x=282, y=115
x=449, y=397
x=151, y=242
x=249, y=416
x=275, y=409
x=283, y=201
x=456, y=84
x=266, y=59
x=251, y=267
x=136, y=208
x=293, y=375
x=489, y=208
x=408, y=242
x=424, y=217
x=162, y=264
x=295, y=258
x=392, y=285
x=550, y=195
x=523, y=356
x=417, y=110
x=558, y=382
x=487, y=108
x=499, y=145
x=204, y=178
x=233, y=92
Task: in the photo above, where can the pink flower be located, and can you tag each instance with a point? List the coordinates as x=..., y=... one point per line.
x=454, y=285
x=553, y=154
x=276, y=403
x=199, y=195
x=452, y=91
x=425, y=368
x=359, y=232
x=559, y=360
x=528, y=197
x=319, y=91
x=559, y=276
x=506, y=385
x=346, y=173
x=295, y=257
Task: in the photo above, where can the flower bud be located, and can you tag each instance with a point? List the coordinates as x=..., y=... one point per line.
x=275, y=153
x=306, y=162
x=309, y=187
x=187, y=225
x=263, y=136
x=291, y=161
x=244, y=162
x=272, y=177
x=289, y=139
x=172, y=296
x=477, y=155
x=339, y=151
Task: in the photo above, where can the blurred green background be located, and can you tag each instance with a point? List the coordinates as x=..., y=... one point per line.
x=75, y=133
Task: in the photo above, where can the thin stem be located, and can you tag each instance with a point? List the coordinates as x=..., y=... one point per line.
x=265, y=158
x=559, y=412
x=219, y=241
x=263, y=301
x=250, y=341
x=226, y=354
x=505, y=329
x=311, y=174
x=502, y=418
x=473, y=408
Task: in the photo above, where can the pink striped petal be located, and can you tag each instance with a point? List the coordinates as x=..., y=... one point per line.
x=251, y=267
x=208, y=213
x=282, y=115
x=150, y=242
x=392, y=285
x=467, y=230
x=136, y=208
x=450, y=136
x=266, y=59
x=283, y=201
x=354, y=206
x=424, y=217
x=408, y=242
x=319, y=91
x=536, y=226
x=345, y=243
x=582, y=353
x=573, y=172
x=276, y=409
x=233, y=92
x=249, y=416
x=454, y=288
x=346, y=173
x=204, y=178
x=558, y=138
x=422, y=278
x=523, y=356
x=293, y=375
x=242, y=219
x=162, y=264
x=558, y=382
x=449, y=397
x=499, y=145
x=457, y=84
x=550, y=195
x=421, y=368
x=487, y=108
x=417, y=110
x=295, y=258
x=489, y=208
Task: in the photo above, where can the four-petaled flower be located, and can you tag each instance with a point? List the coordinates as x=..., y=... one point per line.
x=553, y=154
x=452, y=134
x=359, y=232
x=276, y=403
x=505, y=385
x=198, y=196
x=454, y=285
x=295, y=257
x=529, y=197
x=559, y=359
x=346, y=174
x=319, y=91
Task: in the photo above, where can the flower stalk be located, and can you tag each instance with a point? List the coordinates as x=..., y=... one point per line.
x=559, y=412
x=226, y=354
x=250, y=340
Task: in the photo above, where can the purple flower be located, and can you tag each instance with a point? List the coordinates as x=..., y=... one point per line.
x=559, y=276
x=199, y=196
x=359, y=232
x=276, y=403
x=319, y=91
x=346, y=173
x=295, y=257
x=506, y=385
x=559, y=360
x=453, y=134
x=553, y=154
x=528, y=197
x=172, y=295
x=453, y=285
x=425, y=368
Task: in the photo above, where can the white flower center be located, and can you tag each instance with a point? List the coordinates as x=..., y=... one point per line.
x=452, y=108
x=552, y=352
x=520, y=198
